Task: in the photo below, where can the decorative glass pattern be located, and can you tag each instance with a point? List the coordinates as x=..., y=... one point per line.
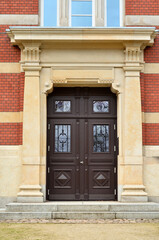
x=100, y=106
x=62, y=138
x=62, y=106
x=101, y=138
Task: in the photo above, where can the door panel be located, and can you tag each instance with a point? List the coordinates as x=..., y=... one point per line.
x=81, y=144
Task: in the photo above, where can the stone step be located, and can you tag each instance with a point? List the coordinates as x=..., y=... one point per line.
x=82, y=207
x=136, y=207
x=25, y=215
x=78, y=215
x=105, y=215
x=30, y=207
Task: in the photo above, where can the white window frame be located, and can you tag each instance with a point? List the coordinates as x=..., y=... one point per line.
x=121, y=7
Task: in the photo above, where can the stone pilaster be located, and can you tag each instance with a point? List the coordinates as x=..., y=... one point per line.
x=30, y=179
x=133, y=189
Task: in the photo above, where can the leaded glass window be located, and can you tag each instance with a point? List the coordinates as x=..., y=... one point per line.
x=62, y=138
x=100, y=106
x=62, y=106
x=101, y=138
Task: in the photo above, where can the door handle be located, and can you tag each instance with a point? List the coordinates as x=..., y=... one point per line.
x=81, y=162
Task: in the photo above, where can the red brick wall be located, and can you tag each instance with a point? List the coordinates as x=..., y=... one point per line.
x=150, y=92
x=11, y=133
x=11, y=92
x=19, y=7
x=150, y=133
x=8, y=53
x=142, y=7
x=152, y=53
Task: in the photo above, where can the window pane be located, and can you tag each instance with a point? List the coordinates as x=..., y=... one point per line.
x=62, y=106
x=113, y=16
x=62, y=138
x=50, y=13
x=81, y=7
x=101, y=138
x=100, y=106
x=81, y=21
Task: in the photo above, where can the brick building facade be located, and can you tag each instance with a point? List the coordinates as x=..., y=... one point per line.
x=137, y=34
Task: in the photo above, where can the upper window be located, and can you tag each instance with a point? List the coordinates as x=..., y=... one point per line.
x=81, y=13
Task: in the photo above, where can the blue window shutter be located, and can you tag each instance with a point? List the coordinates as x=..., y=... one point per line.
x=50, y=13
x=113, y=13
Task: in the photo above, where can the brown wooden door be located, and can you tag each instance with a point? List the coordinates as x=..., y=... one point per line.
x=82, y=144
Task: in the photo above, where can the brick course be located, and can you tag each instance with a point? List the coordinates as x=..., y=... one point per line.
x=19, y=7
x=150, y=92
x=150, y=133
x=11, y=92
x=11, y=133
x=142, y=7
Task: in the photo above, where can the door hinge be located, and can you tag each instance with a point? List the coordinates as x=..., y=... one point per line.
x=114, y=169
x=48, y=126
x=114, y=126
x=114, y=148
x=114, y=191
x=48, y=192
x=48, y=148
x=48, y=170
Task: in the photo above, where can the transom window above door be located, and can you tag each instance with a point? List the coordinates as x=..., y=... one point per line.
x=81, y=13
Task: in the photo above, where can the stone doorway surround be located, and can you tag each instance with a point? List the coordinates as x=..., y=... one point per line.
x=71, y=57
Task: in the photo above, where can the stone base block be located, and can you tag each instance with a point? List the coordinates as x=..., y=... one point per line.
x=30, y=199
x=134, y=198
x=134, y=193
x=30, y=194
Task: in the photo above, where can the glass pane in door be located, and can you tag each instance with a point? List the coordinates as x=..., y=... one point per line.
x=101, y=138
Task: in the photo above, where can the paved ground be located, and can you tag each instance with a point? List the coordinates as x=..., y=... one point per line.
x=80, y=230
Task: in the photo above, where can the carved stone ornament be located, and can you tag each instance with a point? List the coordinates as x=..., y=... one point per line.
x=31, y=53
x=133, y=55
x=115, y=88
x=48, y=87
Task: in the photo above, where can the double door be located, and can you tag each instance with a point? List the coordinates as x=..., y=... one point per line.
x=81, y=144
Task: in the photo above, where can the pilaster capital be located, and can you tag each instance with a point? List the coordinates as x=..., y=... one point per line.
x=31, y=53
x=133, y=54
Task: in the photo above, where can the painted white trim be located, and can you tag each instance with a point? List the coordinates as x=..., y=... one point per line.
x=93, y=13
x=105, y=13
x=70, y=12
x=58, y=13
x=122, y=12
x=42, y=13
